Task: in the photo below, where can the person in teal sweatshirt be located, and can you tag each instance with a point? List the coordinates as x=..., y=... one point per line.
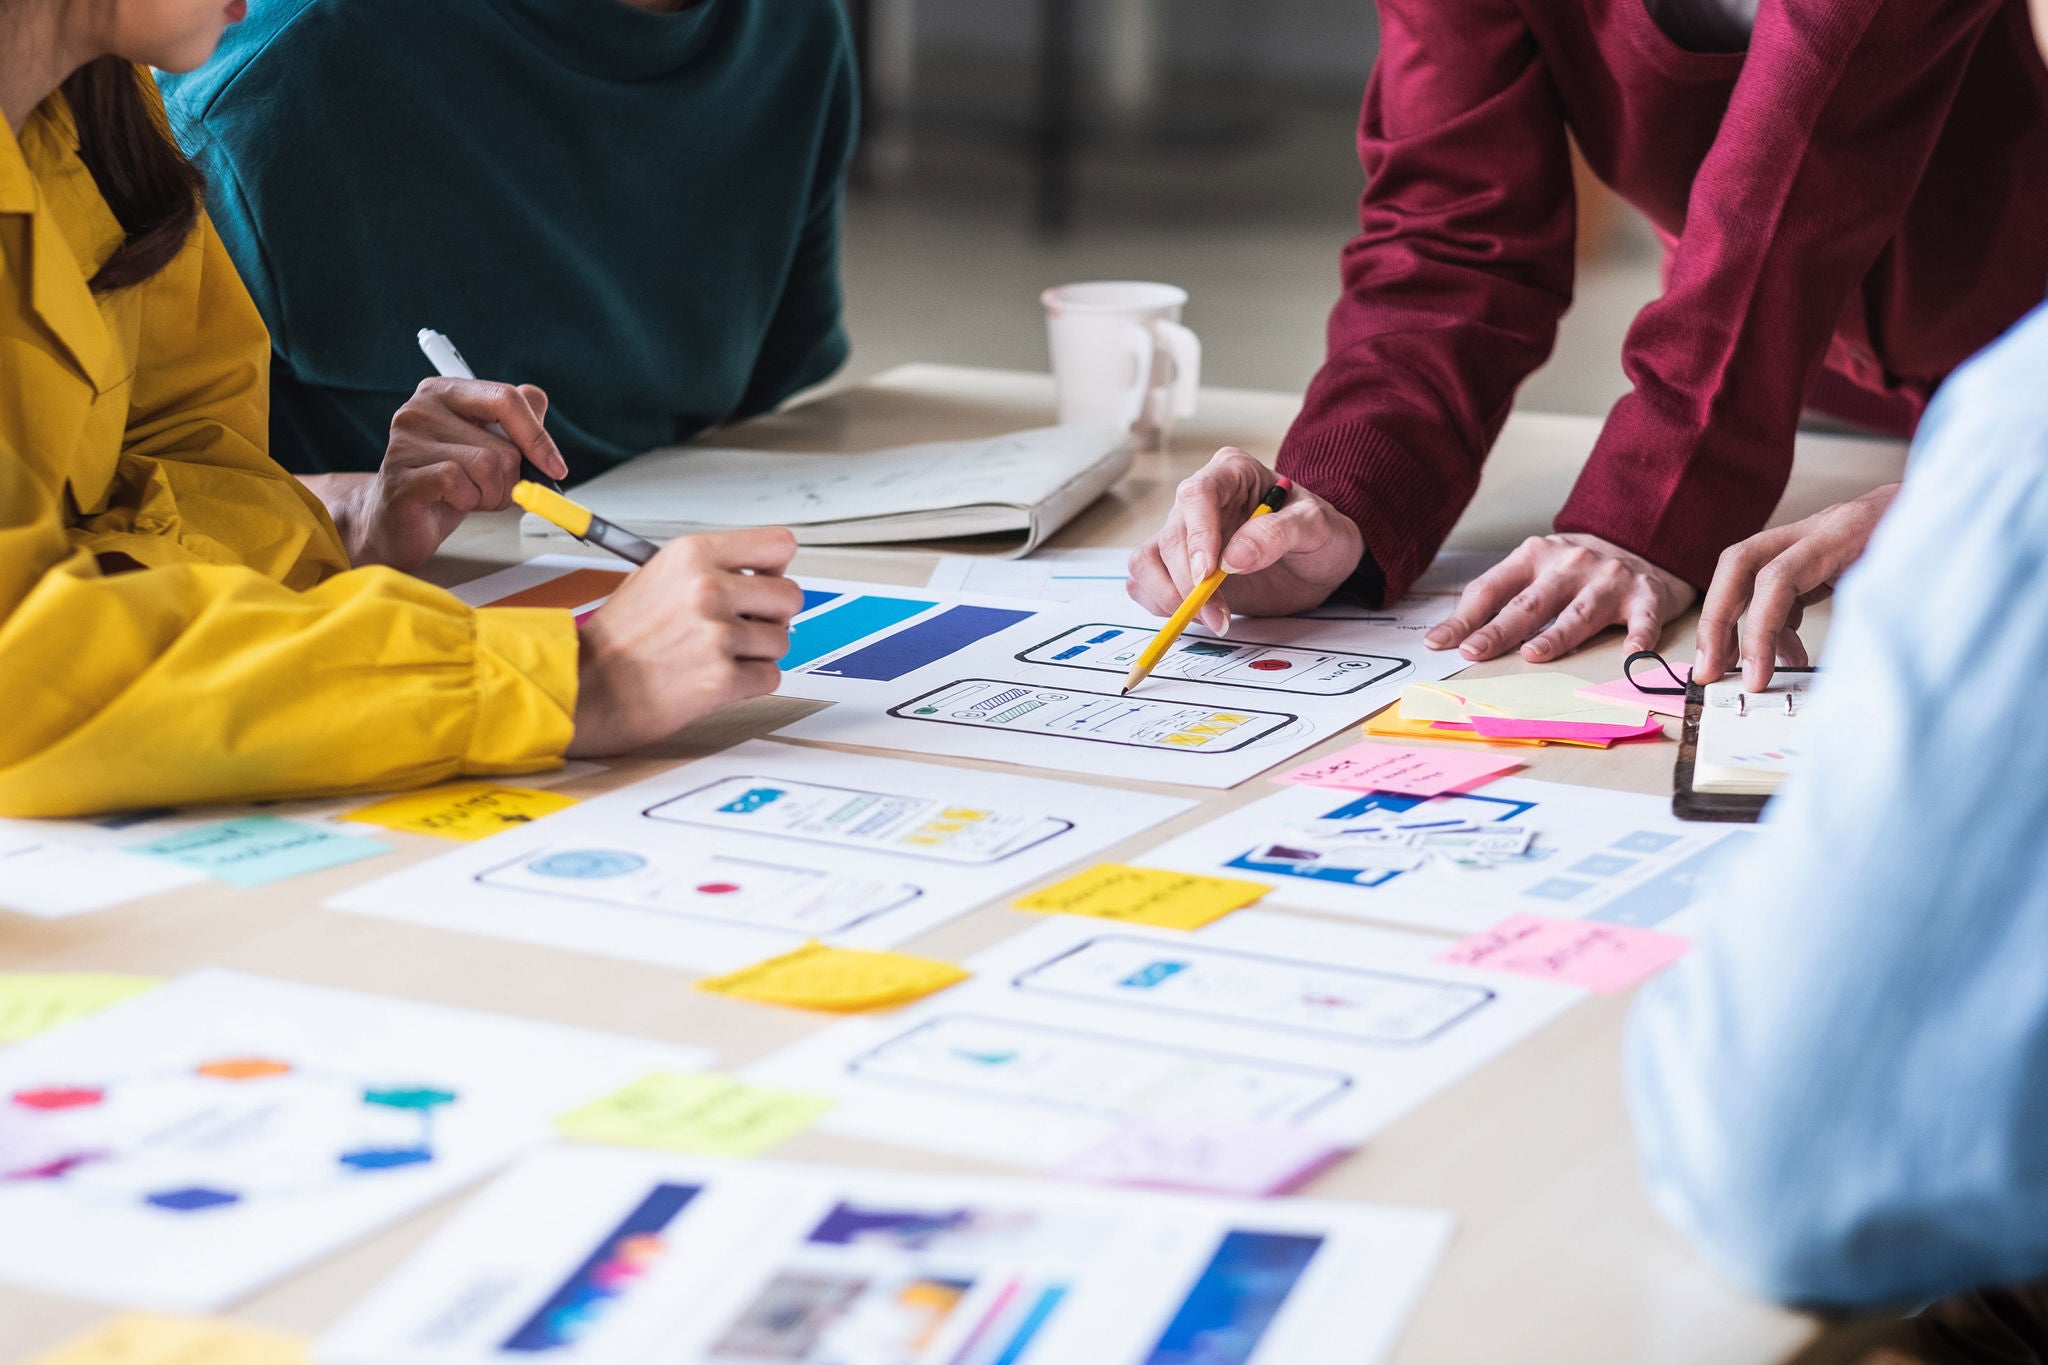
x=632, y=204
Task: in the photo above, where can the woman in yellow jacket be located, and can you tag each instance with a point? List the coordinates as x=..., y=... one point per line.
x=179, y=618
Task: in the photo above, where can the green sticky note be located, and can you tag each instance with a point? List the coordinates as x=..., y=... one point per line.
x=32, y=1003
x=258, y=849
x=706, y=1114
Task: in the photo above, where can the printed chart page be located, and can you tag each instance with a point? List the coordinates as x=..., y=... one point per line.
x=1074, y=1027
x=605, y=1257
x=751, y=852
x=1462, y=863
x=181, y=1150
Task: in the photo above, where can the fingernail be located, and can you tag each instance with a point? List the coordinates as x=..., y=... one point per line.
x=1536, y=649
x=1472, y=649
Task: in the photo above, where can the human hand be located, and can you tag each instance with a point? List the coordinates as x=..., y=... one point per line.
x=1763, y=586
x=443, y=463
x=1289, y=561
x=690, y=631
x=1562, y=589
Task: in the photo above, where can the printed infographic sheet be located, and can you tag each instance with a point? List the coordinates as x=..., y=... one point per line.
x=1543, y=848
x=180, y=1150
x=589, y=1256
x=1074, y=1027
x=751, y=852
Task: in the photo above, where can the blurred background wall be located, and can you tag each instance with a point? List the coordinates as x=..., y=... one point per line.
x=1016, y=144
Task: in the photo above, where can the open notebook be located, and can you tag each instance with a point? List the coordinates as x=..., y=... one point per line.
x=1740, y=746
x=1027, y=484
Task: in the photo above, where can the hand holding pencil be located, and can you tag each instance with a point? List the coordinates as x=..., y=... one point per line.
x=1191, y=606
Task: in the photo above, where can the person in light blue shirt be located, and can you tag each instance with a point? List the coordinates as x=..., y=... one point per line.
x=1841, y=1094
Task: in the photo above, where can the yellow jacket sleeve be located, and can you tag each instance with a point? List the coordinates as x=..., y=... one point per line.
x=243, y=661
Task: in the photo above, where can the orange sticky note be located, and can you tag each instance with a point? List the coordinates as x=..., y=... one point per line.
x=1389, y=725
x=819, y=977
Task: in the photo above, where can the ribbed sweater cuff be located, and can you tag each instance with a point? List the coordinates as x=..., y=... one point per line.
x=1395, y=503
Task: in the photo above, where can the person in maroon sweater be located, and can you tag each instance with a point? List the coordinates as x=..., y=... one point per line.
x=1853, y=196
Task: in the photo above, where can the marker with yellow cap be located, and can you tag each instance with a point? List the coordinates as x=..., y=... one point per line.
x=582, y=523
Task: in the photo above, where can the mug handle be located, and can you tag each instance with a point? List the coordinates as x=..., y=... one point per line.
x=1143, y=351
x=1186, y=349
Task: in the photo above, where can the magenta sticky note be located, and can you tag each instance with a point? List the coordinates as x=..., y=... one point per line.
x=1501, y=727
x=1600, y=957
x=1370, y=767
x=1182, y=1153
x=1622, y=692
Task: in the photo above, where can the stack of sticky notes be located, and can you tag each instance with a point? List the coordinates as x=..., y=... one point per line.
x=1520, y=708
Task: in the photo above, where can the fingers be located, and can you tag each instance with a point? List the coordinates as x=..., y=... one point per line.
x=1527, y=612
x=753, y=678
x=1780, y=585
x=1598, y=605
x=761, y=549
x=756, y=641
x=1150, y=586
x=481, y=403
x=770, y=598
x=1727, y=597
x=1791, y=650
x=1643, y=618
x=1486, y=595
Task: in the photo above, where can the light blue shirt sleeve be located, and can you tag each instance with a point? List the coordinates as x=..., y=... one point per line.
x=1841, y=1095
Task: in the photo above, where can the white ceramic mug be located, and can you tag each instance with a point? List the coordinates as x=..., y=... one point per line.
x=1121, y=357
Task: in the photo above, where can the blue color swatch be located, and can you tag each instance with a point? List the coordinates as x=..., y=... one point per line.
x=923, y=643
x=258, y=849
x=1239, y=1293
x=813, y=599
x=816, y=636
x=619, y=1262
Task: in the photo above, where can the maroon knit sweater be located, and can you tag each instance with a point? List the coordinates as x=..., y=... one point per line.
x=1851, y=208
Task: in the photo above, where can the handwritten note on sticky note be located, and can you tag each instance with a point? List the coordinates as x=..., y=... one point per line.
x=158, y=1339
x=707, y=1114
x=1600, y=957
x=258, y=849
x=1145, y=895
x=36, y=1002
x=462, y=810
x=817, y=977
x=1249, y=1160
x=1405, y=772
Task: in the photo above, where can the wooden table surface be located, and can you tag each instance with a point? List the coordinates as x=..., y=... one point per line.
x=1557, y=1258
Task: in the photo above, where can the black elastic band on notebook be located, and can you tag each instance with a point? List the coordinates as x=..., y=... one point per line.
x=1628, y=670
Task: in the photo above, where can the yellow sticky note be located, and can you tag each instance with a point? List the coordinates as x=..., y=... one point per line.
x=462, y=810
x=1424, y=702
x=707, y=1114
x=32, y=1003
x=1145, y=895
x=159, y=1339
x=1543, y=695
x=817, y=977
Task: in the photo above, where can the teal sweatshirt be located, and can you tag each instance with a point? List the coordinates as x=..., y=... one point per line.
x=637, y=211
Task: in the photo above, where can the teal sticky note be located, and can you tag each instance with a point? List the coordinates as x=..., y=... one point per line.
x=258, y=849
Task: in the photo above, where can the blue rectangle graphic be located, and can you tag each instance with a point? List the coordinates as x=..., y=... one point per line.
x=1239, y=1294
x=817, y=636
x=909, y=650
x=619, y=1263
x=817, y=597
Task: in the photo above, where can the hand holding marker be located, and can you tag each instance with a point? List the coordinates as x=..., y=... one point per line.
x=1275, y=499
x=449, y=364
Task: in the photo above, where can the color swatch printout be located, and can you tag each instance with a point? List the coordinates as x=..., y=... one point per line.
x=1516, y=846
x=180, y=1150
x=597, y=1256
x=1074, y=1028
x=754, y=851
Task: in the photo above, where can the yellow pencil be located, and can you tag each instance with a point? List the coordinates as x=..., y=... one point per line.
x=1275, y=498
x=581, y=522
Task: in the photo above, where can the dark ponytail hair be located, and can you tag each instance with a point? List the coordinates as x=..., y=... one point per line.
x=149, y=184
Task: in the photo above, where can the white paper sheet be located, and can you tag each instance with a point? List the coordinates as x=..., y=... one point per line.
x=180, y=1150
x=1075, y=1025
x=1597, y=854
x=590, y=1256
x=1044, y=692
x=1044, y=575
x=748, y=853
x=53, y=870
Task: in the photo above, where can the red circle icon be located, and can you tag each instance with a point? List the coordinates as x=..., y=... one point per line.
x=718, y=888
x=1270, y=665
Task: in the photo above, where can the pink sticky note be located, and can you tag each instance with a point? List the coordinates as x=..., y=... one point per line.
x=1622, y=692
x=1248, y=1160
x=1500, y=727
x=1600, y=957
x=1373, y=767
